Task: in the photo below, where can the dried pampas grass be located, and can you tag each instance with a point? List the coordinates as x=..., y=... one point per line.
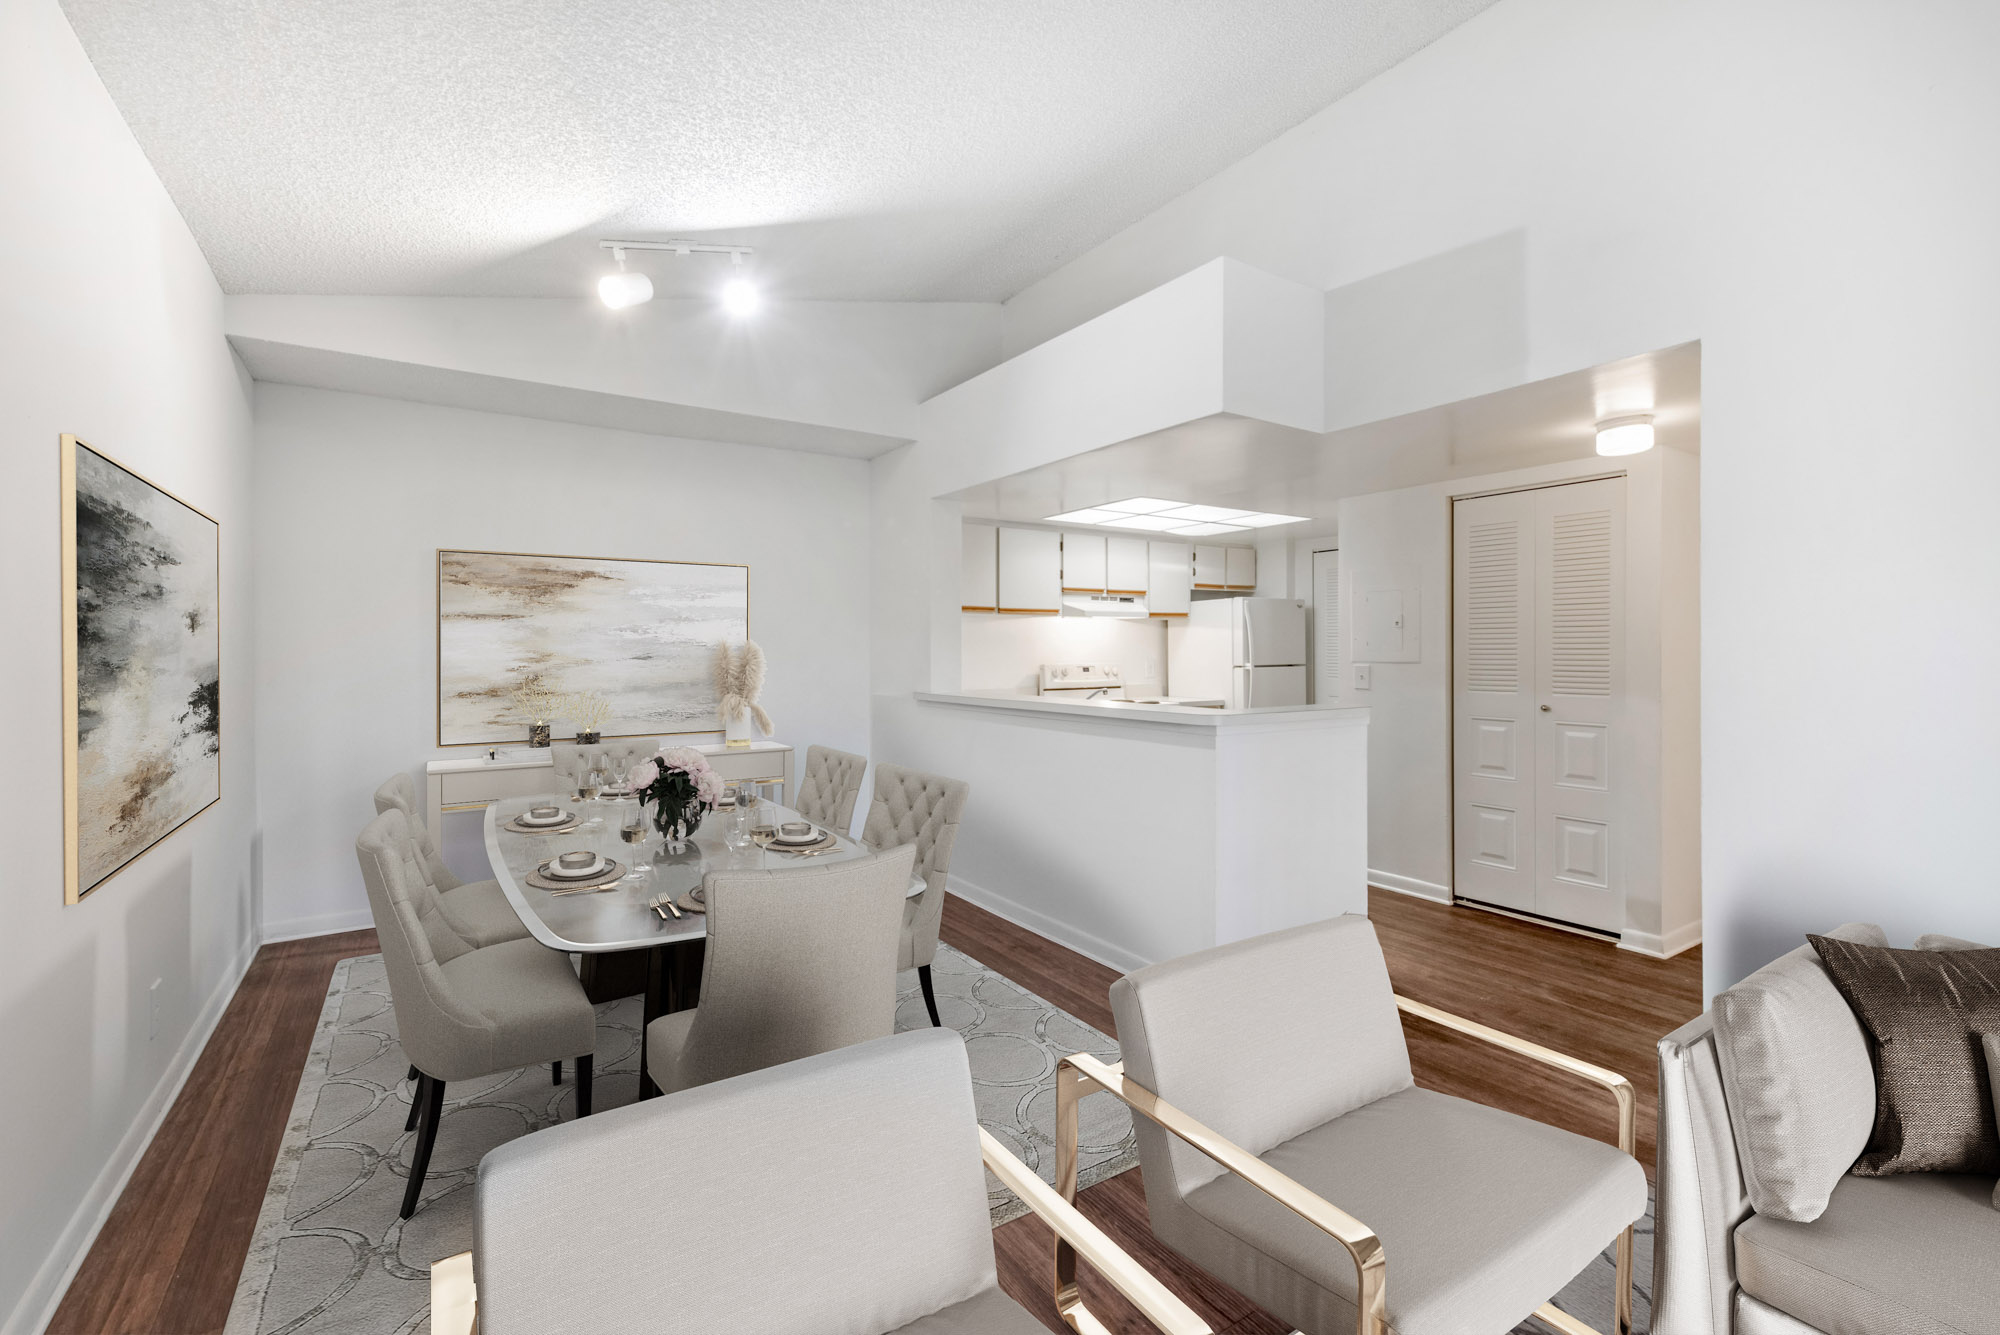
x=739, y=680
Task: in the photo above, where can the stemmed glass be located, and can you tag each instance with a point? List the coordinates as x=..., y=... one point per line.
x=633, y=831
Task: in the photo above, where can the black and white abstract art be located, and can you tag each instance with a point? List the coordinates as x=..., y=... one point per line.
x=143, y=672
x=641, y=634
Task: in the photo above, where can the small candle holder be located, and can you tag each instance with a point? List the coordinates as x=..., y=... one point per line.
x=538, y=734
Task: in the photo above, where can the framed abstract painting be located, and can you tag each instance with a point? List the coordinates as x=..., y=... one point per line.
x=142, y=659
x=639, y=634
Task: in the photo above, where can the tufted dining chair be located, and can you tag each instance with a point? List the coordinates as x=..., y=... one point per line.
x=476, y=910
x=842, y=1192
x=831, y=784
x=912, y=807
x=464, y=1011
x=799, y=961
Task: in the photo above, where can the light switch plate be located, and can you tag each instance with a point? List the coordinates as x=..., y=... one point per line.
x=1363, y=678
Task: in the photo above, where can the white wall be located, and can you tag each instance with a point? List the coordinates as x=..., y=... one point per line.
x=355, y=495
x=110, y=329
x=1005, y=653
x=1788, y=183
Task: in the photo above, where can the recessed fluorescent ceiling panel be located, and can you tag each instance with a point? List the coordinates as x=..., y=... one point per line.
x=1198, y=521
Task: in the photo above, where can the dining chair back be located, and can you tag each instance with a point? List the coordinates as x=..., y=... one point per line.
x=843, y=1192
x=799, y=961
x=399, y=793
x=923, y=810
x=478, y=911
x=831, y=786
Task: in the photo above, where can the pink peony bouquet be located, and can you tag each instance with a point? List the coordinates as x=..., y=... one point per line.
x=681, y=787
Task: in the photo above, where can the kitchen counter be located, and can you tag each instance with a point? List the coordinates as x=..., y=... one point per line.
x=1194, y=716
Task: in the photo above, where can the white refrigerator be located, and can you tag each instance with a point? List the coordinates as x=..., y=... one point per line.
x=1249, y=653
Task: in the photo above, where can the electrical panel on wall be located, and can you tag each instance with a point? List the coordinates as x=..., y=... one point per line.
x=1388, y=616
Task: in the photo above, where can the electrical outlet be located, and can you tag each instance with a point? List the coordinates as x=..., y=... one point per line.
x=153, y=994
x=1362, y=678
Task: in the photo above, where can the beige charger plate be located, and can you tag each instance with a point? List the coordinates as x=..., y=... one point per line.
x=560, y=827
x=608, y=878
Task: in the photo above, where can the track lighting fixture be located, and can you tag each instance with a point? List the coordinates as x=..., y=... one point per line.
x=740, y=295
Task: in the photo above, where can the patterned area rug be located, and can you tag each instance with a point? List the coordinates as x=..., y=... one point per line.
x=330, y=1254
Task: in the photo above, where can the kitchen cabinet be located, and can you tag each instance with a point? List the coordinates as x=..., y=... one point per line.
x=1211, y=567
x=1031, y=570
x=1083, y=562
x=1169, y=568
x=1239, y=567
x=1125, y=565
x=979, y=569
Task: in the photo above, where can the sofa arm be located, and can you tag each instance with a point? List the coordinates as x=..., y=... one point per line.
x=1699, y=1191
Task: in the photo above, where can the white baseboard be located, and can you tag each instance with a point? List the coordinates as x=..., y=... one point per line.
x=324, y=924
x=1082, y=942
x=52, y=1279
x=1684, y=937
x=1409, y=885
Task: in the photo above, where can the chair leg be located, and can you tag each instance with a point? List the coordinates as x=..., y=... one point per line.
x=414, y=1072
x=555, y=1073
x=583, y=1073
x=432, y=1094
x=416, y=1102
x=930, y=997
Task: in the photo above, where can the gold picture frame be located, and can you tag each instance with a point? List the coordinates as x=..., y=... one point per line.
x=486, y=682
x=159, y=797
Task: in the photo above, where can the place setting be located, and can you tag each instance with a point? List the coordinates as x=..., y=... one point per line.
x=797, y=837
x=544, y=820
x=577, y=872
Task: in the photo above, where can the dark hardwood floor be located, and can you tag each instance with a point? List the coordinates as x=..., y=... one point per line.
x=167, y=1260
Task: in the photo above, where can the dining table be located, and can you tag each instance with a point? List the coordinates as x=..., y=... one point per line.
x=633, y=914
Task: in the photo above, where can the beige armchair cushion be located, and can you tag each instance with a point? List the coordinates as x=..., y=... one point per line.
x=1800, y=1082
x=1262, y=1040
x=1916, y=1254
x=831, y=785
x=923, y=810
x=1482, y=1214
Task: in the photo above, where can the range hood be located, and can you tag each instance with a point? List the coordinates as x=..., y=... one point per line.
x=1103, y=605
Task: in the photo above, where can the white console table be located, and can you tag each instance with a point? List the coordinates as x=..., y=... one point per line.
x=476, y=782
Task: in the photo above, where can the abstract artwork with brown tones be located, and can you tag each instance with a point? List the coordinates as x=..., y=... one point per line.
x=142, y=653
x=640, y=634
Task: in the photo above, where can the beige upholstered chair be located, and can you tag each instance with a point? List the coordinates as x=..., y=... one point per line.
x=1766, y=1101
x=1287, y=1152
x=831, y=784
x=838, y=1193
x=912, y=807
x=476, y=910
x=463, y=1011
x=799, y=961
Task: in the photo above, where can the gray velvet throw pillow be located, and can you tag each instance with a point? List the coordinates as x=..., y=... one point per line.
x=1924, y=1011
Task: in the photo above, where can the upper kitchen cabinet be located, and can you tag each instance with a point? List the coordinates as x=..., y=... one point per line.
x=1170, y=565
x=979, y=569
x=1125, y=566
x=1083, y=562
x=1031, y=570
x=1211, y=567
x=1239, y=567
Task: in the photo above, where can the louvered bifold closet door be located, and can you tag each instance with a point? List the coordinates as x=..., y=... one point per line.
x=1580, y=669
x=1493, y=712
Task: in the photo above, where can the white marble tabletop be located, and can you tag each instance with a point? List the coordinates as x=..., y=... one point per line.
x=622, y=918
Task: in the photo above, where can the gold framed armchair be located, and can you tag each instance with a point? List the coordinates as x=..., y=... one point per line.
x=1290, y=1090
x=880, y=1139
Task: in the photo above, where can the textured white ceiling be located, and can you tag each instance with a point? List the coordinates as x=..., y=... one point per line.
x=870, y=149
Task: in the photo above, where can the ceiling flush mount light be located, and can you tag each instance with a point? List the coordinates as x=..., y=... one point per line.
x=1625, y=435
x=1139, y=505
x=622, y=289
x=1085, y=516
x=739, y=296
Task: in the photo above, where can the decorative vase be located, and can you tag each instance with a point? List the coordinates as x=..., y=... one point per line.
x=736, y=728
x=677, y=821
x=589, y=737
x=538, y=734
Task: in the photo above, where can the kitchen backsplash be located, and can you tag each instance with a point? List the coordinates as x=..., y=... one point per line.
x=1002, y=653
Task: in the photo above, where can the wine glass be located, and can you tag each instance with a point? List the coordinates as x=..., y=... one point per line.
x=633, y=829
x=594, y=780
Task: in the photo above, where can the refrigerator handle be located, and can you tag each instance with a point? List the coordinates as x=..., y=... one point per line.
x=1249, y=624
